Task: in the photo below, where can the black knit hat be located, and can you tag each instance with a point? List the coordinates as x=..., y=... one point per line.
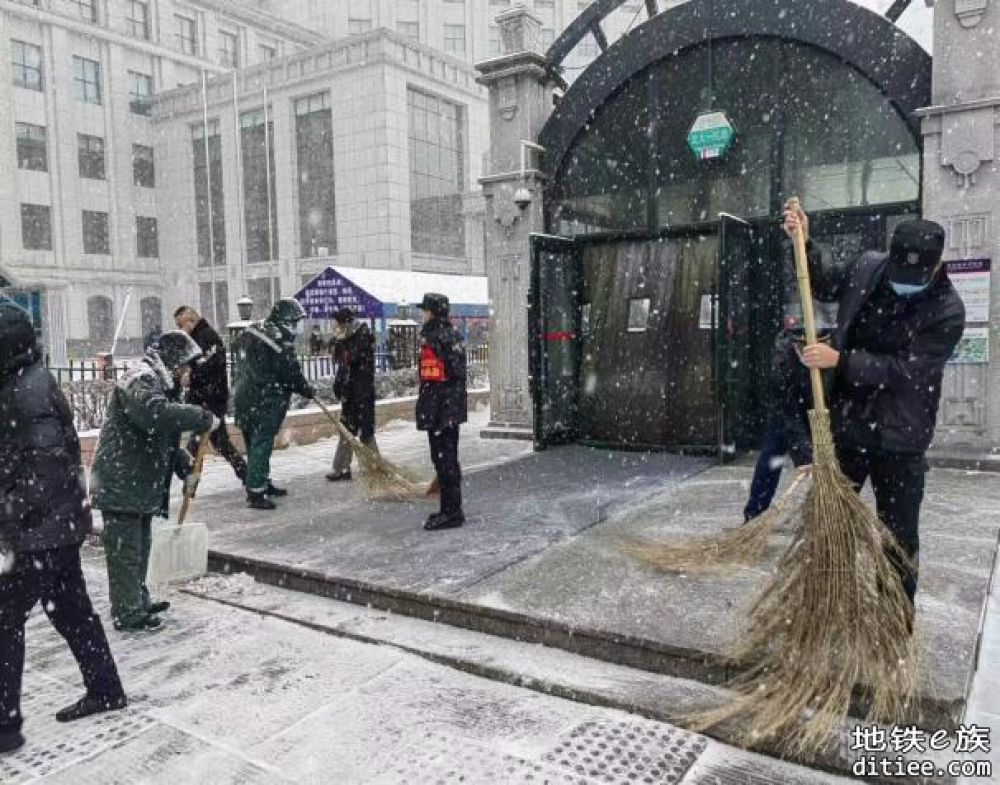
x=343, y=315
x=437, y=304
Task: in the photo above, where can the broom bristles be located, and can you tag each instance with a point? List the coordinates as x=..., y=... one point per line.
x=742, y=545
x=381, y=478
x=834, y=616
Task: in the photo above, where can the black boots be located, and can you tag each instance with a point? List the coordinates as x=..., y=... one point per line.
x=92, y=704
x=260, y=501
x=444, y=520
x=144, y=621
x=275, y=492
x=10, y=740
x=339, y=476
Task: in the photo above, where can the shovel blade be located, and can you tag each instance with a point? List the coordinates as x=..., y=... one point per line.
x=178, y=553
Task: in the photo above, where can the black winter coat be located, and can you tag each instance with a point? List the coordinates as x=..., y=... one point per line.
x=354, y=382
x=887, y=386
x=209, y=383
x=43, y=498
x=443, y=404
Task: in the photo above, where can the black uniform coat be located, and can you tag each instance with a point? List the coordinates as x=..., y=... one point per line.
x=893, y=350
x=443, y=404
x=209, y=383
x=43, y=499
x=354, y=382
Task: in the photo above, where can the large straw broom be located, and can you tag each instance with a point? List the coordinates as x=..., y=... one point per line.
x=382, y=478
x=835, y=615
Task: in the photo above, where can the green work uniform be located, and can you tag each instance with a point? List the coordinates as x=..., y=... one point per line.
x=138, y=452
x=267, y=373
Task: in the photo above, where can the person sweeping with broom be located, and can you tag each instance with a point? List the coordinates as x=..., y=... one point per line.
x=137, y=453
x=354, y=385
x=899, y=321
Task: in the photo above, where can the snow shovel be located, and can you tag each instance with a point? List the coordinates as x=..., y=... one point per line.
x=382, y=478
x=180, y=552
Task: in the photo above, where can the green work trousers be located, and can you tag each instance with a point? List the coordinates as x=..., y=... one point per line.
x=260, y=443
x=127, y=539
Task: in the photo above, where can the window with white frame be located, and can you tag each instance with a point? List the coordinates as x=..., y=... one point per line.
x=143, y=166
x=454, y=39
x=36, y=227
x=495, y=47
x=268, y=52
x=140, y=88
x=32, y=152
x=147, y=239
x=90, y=155
x=87, y=10
x=96, y=237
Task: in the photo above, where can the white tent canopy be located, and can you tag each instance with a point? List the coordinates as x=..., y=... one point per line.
x=397, y=286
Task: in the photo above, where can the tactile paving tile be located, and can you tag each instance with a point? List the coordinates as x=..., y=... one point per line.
x=631, y=752
x=52, y=746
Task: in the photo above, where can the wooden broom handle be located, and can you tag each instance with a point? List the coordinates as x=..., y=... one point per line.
x=808, y=316
x=196, y=467
x=341, y=428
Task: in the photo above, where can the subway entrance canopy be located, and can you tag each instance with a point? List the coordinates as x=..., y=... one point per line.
x=657, y=291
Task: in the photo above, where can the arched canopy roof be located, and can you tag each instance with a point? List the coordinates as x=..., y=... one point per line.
x=897, y=66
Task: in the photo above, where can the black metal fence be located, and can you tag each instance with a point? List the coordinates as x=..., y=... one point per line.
x=315, y=367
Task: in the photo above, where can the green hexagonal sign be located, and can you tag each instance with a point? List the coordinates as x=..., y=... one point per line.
x=711, y=136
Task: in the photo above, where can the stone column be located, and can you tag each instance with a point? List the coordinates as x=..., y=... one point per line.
x=520, y=100
x=962, y=192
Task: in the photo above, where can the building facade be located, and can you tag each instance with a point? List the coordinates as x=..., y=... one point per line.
x=82, y=213
x=363, y=152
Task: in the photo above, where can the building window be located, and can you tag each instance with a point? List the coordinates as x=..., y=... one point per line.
x=87, y=9
x=137, y=20
x=140, y=93
x=96, y=239
x=36, y=227
x=31, y=147
x=100, y=321
x=143, y=169
x=147, y=239
x=187, y=35
x=87, y=75
x=314, y=153
x=437, y=175
x=229, y=49
x=357, y=26
x=454, y=39
x=260, y=213
x=90, y=150
x=27, y=62
x=268, y=52
x=409, y=29
x=219, y=311
x=151, y=315
x=208, y=179
x=548, y=36
x=638, y=315
x=495, y=47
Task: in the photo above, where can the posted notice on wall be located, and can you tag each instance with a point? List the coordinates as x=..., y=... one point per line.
x=971, y=279
x=974, y=346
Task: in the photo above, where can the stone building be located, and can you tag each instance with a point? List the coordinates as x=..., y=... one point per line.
x=82, y=209
x=375, y=147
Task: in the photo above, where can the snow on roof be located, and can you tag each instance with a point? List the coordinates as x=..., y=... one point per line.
x=395, y=286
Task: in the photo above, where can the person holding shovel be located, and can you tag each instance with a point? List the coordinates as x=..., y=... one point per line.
x=899, y=322
x=138, y=451
x=267, y=373
x=209, y=384
x=354, y=384
x=44, y=520
x=442, y=405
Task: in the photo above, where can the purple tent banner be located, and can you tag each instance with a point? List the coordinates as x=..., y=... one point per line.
x=329, y=291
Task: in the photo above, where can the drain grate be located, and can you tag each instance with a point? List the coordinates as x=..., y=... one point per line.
x=50, y=745
x=627, y=752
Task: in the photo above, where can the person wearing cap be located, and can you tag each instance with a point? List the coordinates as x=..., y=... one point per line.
x=267, y=373
x=44, y=520
x=209, y=383
x=353, y=351
x=442, y=405
x=899, y=322
x=137, y=453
